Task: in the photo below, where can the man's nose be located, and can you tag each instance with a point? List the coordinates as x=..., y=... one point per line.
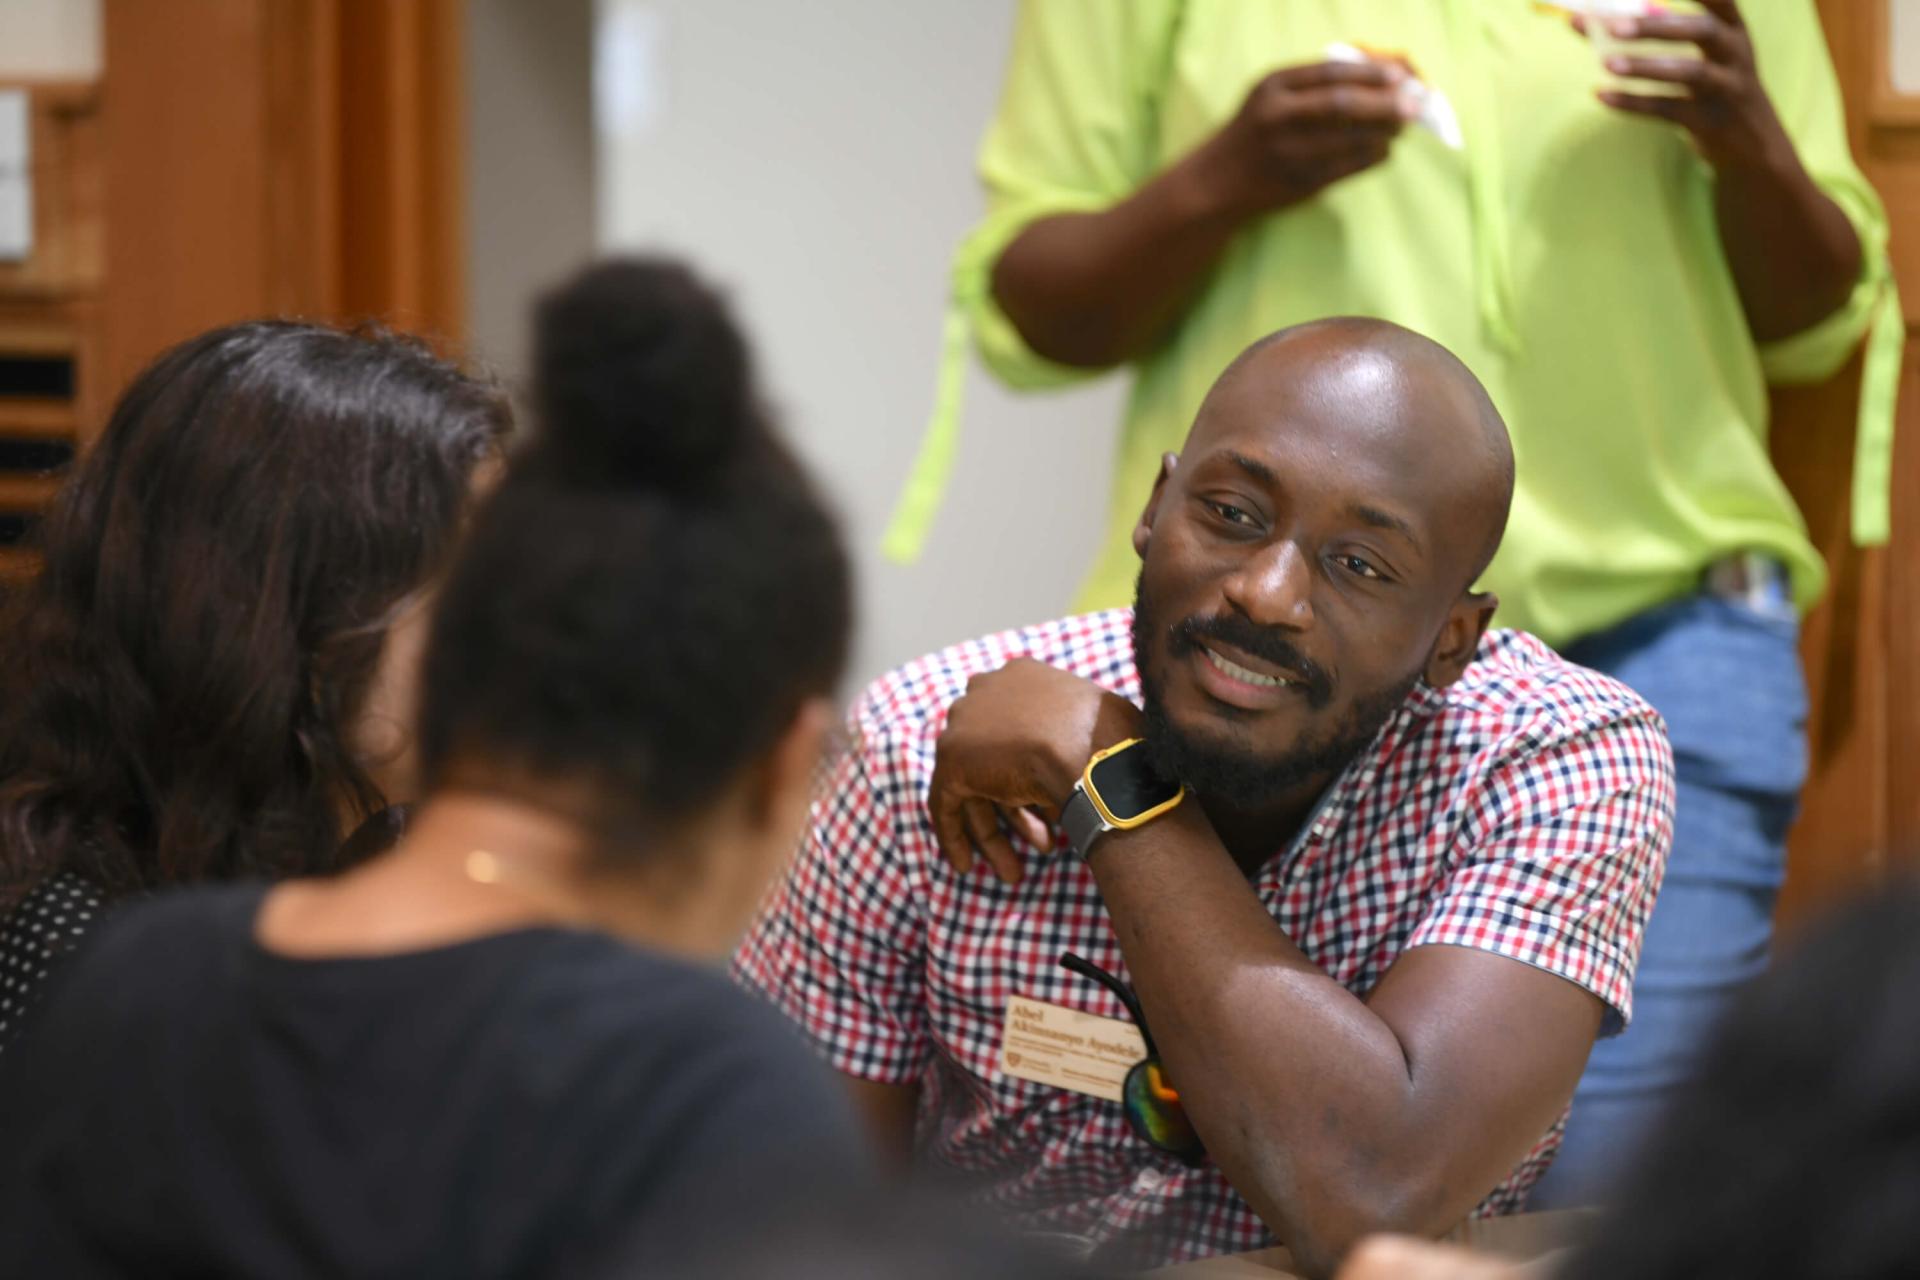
x=1274, y=587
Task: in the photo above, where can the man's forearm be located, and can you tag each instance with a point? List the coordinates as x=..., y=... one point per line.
x=1793, y=253
x=1096, y=289
x=1303, y=1094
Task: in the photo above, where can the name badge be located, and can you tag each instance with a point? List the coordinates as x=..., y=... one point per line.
x=1054, y=1045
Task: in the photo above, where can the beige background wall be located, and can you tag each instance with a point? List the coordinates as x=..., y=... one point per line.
x=49, y=38
x=530, y=162
x=818, y=159
x=1904, y=35
x=815, y=158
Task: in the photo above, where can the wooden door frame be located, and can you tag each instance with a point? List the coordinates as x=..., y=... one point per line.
x=281, y=157
x=1860, y=817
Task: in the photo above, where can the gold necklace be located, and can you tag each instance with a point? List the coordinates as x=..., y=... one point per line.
x=483, y=866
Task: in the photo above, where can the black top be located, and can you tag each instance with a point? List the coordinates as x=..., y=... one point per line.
x=543, y=1102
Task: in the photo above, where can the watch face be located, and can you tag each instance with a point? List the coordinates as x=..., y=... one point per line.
x=1127, y=787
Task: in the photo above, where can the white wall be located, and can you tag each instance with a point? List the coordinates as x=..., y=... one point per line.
x=50, y=38
x=531, y=203
x=1903, y=39
x=817, y=158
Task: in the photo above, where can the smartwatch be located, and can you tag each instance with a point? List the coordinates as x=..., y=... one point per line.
x=1117, y=791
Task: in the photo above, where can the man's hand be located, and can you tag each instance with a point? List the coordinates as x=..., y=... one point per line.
x=1406, y=1258
x=1013, y=747
x=1095, y=288
x=1794, y=255
x=1724, y=107
x=1300, y=130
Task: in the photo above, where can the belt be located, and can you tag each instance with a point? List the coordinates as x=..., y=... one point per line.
x=1750, y=577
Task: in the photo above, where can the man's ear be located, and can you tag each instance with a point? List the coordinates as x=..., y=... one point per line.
x=1459, y=639
x=782, y=783
x=1143, y=531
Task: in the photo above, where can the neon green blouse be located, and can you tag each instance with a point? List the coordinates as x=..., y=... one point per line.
x=1569, y=255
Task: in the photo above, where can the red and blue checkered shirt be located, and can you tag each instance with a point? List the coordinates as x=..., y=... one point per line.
x=1524, y=810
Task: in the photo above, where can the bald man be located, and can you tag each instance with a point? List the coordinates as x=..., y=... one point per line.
x=1286, y=904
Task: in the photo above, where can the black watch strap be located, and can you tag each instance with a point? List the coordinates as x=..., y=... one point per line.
x=1082, y=823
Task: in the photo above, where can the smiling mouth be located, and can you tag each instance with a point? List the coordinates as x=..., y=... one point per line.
x=1245, y=675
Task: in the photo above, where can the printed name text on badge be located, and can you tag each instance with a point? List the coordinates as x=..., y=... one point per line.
x=1068, y=1049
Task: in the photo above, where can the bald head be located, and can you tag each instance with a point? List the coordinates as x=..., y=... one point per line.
x=1310, y=557
x=1395, y=407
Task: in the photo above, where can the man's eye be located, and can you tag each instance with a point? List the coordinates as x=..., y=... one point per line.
x=1230, y=513
x=1355, y=565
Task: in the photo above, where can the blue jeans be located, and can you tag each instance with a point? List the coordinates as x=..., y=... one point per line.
x=1726, y=675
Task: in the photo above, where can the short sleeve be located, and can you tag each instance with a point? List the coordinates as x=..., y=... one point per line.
x=1564, y=856
x=839, y=945
x=1076, y=130
x=1798, y=74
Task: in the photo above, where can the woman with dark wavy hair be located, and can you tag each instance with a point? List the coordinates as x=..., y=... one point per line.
x=207, y=679
x=506, y=1046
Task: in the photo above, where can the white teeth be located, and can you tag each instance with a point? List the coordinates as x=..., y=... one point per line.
x=1241, y=673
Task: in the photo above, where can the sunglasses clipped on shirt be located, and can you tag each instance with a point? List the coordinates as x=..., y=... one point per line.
x=1151, y=1103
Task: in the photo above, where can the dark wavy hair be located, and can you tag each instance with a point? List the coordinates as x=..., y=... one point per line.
x=178, y=681
x=1796, y=1149
x=655, y=589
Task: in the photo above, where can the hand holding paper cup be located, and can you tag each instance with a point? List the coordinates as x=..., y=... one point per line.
x=1427, y=106
x=1300, y=130
x=1602, y=21
x=1700, y=75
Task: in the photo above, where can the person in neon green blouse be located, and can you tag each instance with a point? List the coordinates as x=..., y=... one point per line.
x=1625, y=270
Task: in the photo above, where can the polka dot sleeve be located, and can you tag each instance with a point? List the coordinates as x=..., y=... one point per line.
x=49, y=924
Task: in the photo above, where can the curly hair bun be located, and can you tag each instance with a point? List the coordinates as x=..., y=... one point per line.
x=641, y=378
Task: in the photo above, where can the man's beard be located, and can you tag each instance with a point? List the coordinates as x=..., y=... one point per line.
x=1232, y=773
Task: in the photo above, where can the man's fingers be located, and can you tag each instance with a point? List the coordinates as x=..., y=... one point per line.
x=1703, y=77
x=1328, y=146
x=1032, y=828
x=1728, y=11
x=967, y=829
x=1344, y=164
x=1314, y=75
x=1348, y=106
x=1405, y=1258
x=949, y=825
x=1681, y=111
x=1716, y=39
x=983, y=825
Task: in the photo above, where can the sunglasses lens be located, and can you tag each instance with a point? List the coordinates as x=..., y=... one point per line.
x=1154, y=1111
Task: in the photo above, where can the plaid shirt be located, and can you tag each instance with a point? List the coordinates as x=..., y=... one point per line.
x=1525, y=810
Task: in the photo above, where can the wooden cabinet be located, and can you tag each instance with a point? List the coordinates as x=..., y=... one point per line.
x=1861, y=813
x=238, y=158
x=52, y=380
x=280, y=157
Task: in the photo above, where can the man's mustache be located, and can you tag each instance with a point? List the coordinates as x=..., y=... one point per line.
x=1269, y=644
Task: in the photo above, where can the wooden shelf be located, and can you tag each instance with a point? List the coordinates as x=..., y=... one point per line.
x=33, y=418
x=27, y=494
x=17, y=564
